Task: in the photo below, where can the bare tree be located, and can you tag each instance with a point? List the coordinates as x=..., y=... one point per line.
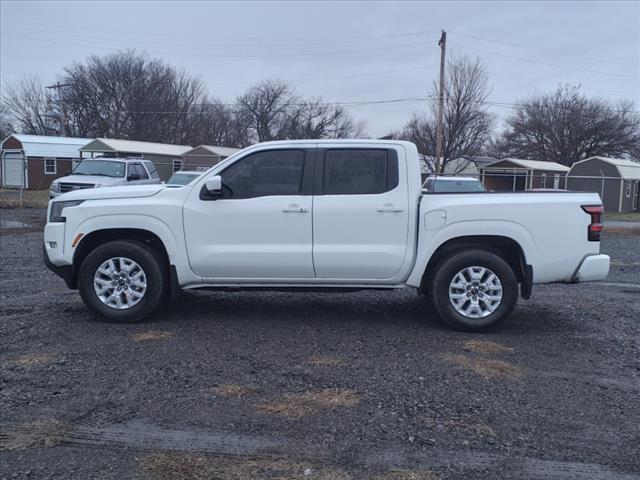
x=32, y=107
x=127, y=95
x=6, y=125
x=273, y=111
x=566, y=126
x=467, y=121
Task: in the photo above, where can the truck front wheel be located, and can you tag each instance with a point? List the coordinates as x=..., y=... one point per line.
x=473, y=290
x=122, y=281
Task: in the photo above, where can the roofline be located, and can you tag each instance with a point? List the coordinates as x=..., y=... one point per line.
x=608, y=162
x=527, y=167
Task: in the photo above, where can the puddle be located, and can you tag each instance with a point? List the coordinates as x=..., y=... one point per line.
x=13, y=224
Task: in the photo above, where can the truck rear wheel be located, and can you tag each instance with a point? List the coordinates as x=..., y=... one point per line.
x=122, y=281
x=473, y=290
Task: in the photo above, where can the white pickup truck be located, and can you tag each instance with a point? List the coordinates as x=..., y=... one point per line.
x=321, y=215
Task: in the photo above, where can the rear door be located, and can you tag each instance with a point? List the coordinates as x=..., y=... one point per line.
x=360, y=213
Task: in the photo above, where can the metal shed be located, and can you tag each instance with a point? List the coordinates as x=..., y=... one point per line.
x=166, y=157
x=616, y=180
x=34, y=161
x=514, y=174
x=205, y=156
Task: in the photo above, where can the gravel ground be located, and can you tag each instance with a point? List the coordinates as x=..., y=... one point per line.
x=364, y=385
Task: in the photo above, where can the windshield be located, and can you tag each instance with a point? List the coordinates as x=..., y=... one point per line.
x=182, y=178
x=458, y=186
x=107, y=168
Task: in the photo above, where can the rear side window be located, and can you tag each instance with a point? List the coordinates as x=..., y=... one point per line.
x=359, y=171
x=152, y=170
x=273, y=172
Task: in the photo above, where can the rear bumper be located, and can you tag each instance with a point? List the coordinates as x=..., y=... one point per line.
x=593, y=267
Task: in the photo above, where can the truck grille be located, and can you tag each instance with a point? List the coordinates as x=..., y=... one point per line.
x=67, y=187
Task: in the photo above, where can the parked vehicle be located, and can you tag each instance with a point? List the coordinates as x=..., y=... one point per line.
x=323, y=215
x=106, y=172
x=444, y=184
x=183, y=177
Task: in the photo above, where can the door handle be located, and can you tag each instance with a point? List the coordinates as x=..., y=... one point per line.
x=389, y=208
x=295, y=209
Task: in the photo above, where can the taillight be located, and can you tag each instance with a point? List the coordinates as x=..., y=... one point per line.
x=595, y=227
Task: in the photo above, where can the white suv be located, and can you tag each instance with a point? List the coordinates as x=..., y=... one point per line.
x=106, y=172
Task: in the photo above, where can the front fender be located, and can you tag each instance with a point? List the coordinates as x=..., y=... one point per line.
x=430, y=241
x=133, y=221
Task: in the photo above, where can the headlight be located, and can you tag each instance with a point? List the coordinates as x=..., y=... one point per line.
x=58, y=207
x=54, y=187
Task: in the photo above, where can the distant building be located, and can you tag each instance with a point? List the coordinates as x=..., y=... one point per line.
x=167, y=158
x=34, y=161
x=467, y=165
x=616, y=180
x=514, y=174
x=205, y=156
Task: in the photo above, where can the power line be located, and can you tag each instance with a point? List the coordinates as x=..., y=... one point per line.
x=65, y=33
x=617, y=60
x=222, y=55
x=522, y=59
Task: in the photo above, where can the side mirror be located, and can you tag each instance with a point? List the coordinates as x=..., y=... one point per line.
x=133, y=177
x=214, y=185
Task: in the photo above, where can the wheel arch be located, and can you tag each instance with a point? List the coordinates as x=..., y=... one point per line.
x=507, y=248
x=98, y=237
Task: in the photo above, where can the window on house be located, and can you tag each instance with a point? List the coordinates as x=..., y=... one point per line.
x=50, y=166
x=628, y=190
x=177, y=164
x=358, y=172
x=543, y=180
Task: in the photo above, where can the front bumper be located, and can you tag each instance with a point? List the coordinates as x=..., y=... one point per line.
x=593, y=267
x=65, y=271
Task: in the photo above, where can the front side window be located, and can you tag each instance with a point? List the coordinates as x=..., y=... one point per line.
x=137, y=168
x=359, y=172
x=272, y=172
x=50, y=166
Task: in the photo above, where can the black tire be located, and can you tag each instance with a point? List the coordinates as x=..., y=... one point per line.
x=146, y=258
x=454, y=263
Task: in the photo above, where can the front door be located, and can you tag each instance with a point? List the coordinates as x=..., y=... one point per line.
x=260, y=228
x=360, y=214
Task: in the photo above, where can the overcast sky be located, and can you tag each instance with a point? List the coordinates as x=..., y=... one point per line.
x=344, y=52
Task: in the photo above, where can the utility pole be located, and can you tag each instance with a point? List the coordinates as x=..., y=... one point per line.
x=63, y=110
x=440, y=128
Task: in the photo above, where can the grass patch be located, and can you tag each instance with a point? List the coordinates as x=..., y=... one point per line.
x=151, y=336
x=32, y=359
x=486, y=367
x=295, y=406
x=193, y=466
x=10, y=198
x=407, y=475
x=233, y=390
x=43, y=433
x=622, y=217
x=486, y=346
x=325, y=360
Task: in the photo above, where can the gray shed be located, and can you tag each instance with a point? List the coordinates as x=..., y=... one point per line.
x=616, y=180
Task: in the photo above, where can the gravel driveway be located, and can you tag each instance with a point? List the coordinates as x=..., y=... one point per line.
x=364, y=385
